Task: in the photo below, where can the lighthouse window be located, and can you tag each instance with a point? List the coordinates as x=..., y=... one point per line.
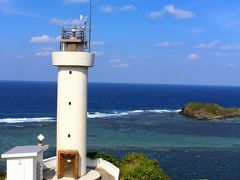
x=69, y=135
x=70, y=72
x=69, y=103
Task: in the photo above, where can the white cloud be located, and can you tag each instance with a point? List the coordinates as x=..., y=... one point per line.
x=193, y=57
x=169, y=44
x=107, y=8
x=127, y=8
x=174, y=11
x=211, y=45
x=98, y=54
x=231, y=47
x=156, y=14
x=20, y=56
x=221, y=55
x=230, y=65
x=44, y=52
x=44, y=39
x=117, y=62
x=98, y=43
x=76, y=1
x=69, y=21
x=8, y=55
x=120, y=65
x=115, y=9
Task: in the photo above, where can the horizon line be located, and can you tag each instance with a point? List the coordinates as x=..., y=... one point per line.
x=127, y=83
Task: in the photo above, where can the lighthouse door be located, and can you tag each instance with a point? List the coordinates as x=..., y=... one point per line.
x=68, y=163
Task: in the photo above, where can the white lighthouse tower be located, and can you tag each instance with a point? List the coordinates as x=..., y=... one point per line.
x=73, y=63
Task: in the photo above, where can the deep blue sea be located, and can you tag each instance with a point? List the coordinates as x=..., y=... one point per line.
x=125, y=118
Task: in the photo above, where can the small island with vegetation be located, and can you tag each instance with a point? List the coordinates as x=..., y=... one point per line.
x=208, y=111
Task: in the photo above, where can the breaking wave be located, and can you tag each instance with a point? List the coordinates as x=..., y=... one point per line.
x=90, y=115
x=135, y=112
x=25, y=120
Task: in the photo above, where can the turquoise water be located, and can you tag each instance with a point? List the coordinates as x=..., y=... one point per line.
x=186, y=148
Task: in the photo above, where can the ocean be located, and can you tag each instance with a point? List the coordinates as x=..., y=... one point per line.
x=125, y=118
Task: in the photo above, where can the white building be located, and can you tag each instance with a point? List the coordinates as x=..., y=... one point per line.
x=25, y=162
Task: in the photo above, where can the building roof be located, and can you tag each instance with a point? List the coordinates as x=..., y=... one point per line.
x=24, y=151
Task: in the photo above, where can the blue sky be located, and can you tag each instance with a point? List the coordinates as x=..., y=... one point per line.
x=136, y=41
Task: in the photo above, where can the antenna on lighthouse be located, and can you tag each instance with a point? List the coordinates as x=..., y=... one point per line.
x=90, y=25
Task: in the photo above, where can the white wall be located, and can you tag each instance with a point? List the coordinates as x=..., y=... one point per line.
x=109, y=167
x=20, y=169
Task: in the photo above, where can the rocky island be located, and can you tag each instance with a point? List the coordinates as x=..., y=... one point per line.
x=208, y=111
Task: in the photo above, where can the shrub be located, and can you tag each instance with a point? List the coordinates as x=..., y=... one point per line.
x=107, y=157
x=137, y=166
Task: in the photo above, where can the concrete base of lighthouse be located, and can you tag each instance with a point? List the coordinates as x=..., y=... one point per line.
x=96, y=168
x=91, y=175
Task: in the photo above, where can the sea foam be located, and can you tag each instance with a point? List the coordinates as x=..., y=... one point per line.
x=90, y=115
x=25, y=120
x=134, y=112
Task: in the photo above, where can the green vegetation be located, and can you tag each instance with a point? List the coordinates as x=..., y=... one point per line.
x=212, y=108
x=107, y=157
x=2, y=175
x=134, y=166
x=209, y=111
x=138, y=166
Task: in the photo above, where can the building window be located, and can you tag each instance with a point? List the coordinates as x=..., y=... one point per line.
x=69, y=103
x=70, y=72
x=69, y=135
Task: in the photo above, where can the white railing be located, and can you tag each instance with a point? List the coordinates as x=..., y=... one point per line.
x=109, y=167
x=50, y=163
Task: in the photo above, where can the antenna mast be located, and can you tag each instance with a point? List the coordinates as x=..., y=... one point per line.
x=90, y=25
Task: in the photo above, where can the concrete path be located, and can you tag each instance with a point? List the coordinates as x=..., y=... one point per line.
x=104, y=174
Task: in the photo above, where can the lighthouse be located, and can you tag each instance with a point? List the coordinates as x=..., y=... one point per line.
x=72, y=62
x=27, y=162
